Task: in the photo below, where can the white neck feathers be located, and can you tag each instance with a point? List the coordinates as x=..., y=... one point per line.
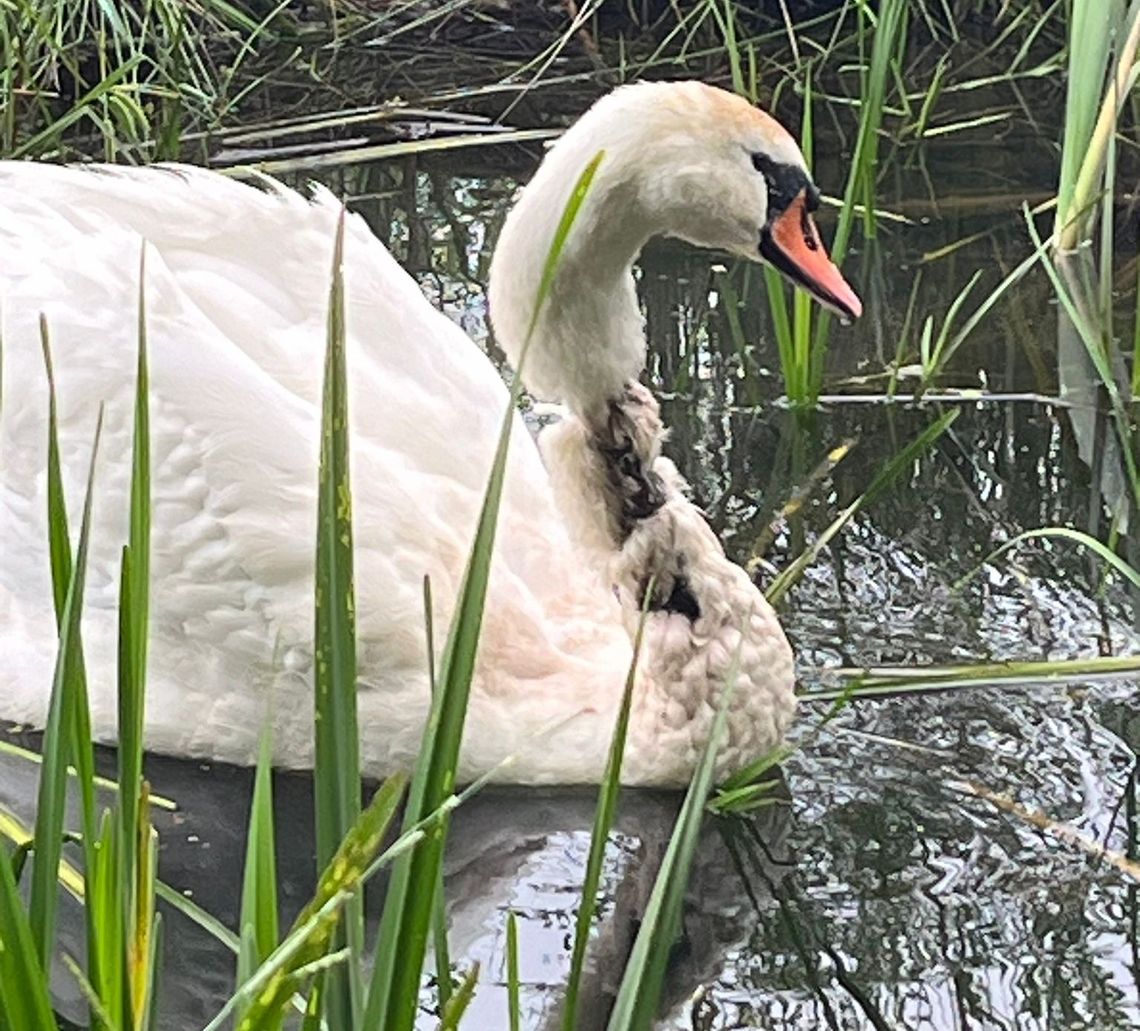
x=590, y=338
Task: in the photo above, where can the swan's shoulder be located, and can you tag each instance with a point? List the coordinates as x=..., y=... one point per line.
x=236, y=292
x=254, y=259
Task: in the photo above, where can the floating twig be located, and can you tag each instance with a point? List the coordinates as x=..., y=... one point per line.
x=1061, y=831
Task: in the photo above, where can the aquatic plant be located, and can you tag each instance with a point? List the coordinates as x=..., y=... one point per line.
x=1103, y=68
x=802, y=335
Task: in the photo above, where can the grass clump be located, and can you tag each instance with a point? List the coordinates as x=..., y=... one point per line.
x=130, y=80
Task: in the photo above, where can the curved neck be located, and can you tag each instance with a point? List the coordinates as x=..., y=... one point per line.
x=589, y=339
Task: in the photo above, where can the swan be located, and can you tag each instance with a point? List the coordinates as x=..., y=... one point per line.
x=236, y=281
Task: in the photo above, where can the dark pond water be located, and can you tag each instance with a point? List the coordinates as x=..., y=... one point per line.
x=882, y=894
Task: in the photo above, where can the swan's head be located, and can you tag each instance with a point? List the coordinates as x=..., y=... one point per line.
x=720, y=173
x=680, y=159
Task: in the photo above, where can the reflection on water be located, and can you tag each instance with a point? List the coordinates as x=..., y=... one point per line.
x=883, y=894
x=510, y=850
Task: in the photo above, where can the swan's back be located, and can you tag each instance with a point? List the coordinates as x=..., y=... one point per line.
x=236, y=301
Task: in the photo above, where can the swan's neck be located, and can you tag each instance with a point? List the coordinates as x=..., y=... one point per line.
x=589, y=340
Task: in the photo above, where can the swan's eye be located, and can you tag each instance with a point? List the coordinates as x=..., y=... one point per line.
x=785, y=183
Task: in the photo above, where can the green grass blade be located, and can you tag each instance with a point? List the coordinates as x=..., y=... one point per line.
x=1091, y=110
x=12, y=828
x=603, y=821
x=1060, y=533
x=859, y=191
x=636, y=1005
x=258, y=920
x=864, y=170
x=394, y=989
x=934, y=356
x=99, y=1015
x=897, y=682
x=134, y=605
x=747, y=775
x=439, y=930
x=51, y=797
x=1094, y=338
x=315, y=1007
x=267, y=992
x=24, y=1001
x=105, y=899
x=270, y=988
x=809, y=359
x=104, y=783
x=127, y=946
x=197, y=915
x=979, y=315
x=77, y=111
x=558, y=243
x=782, y=329
x=1134, y=389
x=143, y=926
x=442, y=951
x=453, y=1012
x=514, y=1010
x=411, y=836
x=59, y=537
x=154, y=966
x=213, y=927
x=336, y=774
x=82, y=756
x=751, y=787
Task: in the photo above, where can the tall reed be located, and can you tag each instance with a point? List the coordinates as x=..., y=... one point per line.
x=1103, y=68
x=123, y=931
x=394, y=989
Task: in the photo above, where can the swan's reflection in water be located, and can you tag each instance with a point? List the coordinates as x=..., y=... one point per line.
x=510, y=849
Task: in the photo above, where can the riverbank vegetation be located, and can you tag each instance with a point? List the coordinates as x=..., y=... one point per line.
x=309, y=89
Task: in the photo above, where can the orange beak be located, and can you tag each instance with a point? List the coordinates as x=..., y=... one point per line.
x=791, y=244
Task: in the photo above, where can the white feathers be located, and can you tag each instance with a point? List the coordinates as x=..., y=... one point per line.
x=236, y=290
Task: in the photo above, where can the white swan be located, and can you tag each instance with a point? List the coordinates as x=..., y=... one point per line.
x=236, y=289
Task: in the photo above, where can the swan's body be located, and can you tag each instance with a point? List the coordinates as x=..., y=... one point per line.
x=236, y=297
